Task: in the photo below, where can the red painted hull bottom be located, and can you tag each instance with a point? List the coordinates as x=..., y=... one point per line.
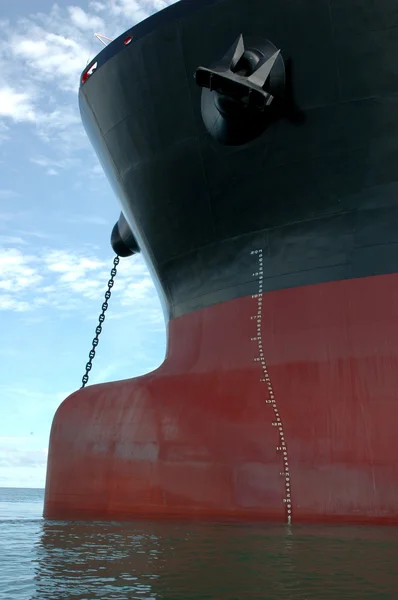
x=284, y=405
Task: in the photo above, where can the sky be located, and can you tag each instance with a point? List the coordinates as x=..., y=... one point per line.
x=57, y=211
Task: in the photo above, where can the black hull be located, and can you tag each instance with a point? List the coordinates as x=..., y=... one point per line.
x=317, y=191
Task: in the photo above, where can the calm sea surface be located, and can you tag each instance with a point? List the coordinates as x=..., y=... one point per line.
x=42, y=560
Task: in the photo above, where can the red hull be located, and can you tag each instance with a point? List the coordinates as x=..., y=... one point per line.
x=201, y=437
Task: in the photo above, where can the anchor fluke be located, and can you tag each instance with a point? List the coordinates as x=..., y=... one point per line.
x=235, y=53
x=260, y=75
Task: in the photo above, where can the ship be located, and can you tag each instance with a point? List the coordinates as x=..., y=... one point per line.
x=253, y=147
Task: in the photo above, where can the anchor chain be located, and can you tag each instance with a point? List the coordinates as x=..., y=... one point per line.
x=101, y=319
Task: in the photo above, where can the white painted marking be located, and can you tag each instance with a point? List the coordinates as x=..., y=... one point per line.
x=266, y=378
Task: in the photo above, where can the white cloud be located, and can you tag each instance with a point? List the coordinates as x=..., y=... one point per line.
x=46, y=55
x=71, y=266
x=14, y=457
x=97, y=7
x=23, y=477
x=136, y=10
x=137, y=290
x=7, y=302
x=55, y=47
x=85, y=21
x=62, y=125
x=65, y=281
x=17, y=271
x=23, y=460
x=49, y=51
x=18, y=106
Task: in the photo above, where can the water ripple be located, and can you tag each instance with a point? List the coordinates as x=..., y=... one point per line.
x=151, y=561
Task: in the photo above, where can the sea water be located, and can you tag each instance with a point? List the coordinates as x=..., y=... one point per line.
x=59, y=560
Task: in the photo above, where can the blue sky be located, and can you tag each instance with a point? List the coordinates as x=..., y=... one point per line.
x=56, y=215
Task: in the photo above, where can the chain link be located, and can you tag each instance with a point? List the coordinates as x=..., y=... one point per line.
x=101, y=319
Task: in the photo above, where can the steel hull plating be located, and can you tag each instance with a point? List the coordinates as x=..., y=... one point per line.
x=276, y=262
x=196, y=437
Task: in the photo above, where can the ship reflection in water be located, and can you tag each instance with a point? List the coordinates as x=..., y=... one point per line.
x=223, y=562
